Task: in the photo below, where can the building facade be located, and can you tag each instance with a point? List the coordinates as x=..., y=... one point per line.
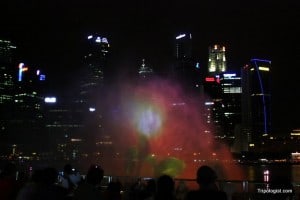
x=256, y=100
x=216, y=60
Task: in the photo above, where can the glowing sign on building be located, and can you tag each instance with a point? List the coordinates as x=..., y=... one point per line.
x=180, y=36
x=91, y=109
x=22, y=69
x=264, y=68
x=42, y=77
x=210, y=79
x=104, y=40
x=209, y=103
x=229, y=75
x=98, y=40
x=50, y=100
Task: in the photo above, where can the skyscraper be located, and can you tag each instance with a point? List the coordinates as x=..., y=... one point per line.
x=26, y=115
x=7, y=50
x=185, y=70
x=95, y=59
x=183, y=47
x=216, y=60
x=92, y=88
x=231, y=104
x=256, y=100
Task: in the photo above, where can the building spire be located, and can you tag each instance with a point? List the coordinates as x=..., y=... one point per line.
x=144, y=70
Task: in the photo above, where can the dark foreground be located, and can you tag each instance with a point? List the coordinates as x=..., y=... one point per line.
x=49, y=183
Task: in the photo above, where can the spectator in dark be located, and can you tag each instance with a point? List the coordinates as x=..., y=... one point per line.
x=165, y=188
x=113, y=191
x=8, y=183
x=90, y=189
x=43, y=187
x=181, y=190
x=137, y=190
x=30, y=189
x=70, y=178
x=208, y=189
x=150, y=189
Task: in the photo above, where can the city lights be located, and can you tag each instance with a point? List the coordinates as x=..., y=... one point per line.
x=92, y=109
x=50, y=100
x=180, y=36
x=264, y=68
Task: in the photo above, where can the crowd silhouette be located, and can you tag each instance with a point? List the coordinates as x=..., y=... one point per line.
x=48, y=183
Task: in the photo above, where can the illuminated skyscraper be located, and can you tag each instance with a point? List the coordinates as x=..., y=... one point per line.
x=183, y=48
x=24, y=121
x=92, y=93
x=231, y=104
x=256, y=100
x=185, y=70
x=7, y=50
x=95, y=59
x=216, y=60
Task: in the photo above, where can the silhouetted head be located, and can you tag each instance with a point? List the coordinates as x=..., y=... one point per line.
x=151, y=186
x=50, y=175
x=165, y=184
x=9, y=170
x=206, y=175
x=68, y=169
x=94, y=175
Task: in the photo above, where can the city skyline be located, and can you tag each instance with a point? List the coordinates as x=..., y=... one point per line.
x=51, y=34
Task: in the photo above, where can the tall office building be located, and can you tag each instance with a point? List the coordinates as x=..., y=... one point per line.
x=256, y=100
x=185, y=70
x=64, y=128
x=231, y=104
x=7, y=66
x=22, y=118
x=7, y=50
x=223, y=101
x=95, y=60
x=183, y=46
x=213, y=104
x=92, y=89
x=216, y=60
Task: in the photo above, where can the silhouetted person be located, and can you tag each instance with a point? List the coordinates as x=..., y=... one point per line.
x=150, y=189
x=90, y=189
x=181, y=190
x=137, y=190
x=70, y=178
x=165, y=188
x=43, y=187
x=8, y=183
x=113, y=191
x=208, y=190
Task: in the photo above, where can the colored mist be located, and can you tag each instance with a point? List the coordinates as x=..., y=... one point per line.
x=157, y=128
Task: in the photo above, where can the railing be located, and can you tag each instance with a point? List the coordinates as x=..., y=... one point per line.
x=235, y=189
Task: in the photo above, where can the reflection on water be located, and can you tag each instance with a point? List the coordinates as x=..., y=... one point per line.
x=295, y=173
x=268, y=173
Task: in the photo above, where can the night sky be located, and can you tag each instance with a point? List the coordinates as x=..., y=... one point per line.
x=49, y=34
